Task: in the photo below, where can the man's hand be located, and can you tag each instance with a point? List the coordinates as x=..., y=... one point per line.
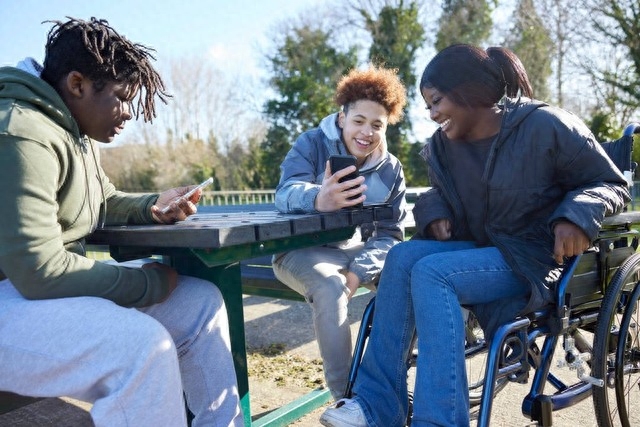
x=335, y=195
x=570, y=240
x=440, y=229
x=179, y=207
x=166, y=270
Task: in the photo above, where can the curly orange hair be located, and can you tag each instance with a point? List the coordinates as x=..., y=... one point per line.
x=378, y=84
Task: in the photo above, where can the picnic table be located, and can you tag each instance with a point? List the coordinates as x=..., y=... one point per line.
x=211, y=246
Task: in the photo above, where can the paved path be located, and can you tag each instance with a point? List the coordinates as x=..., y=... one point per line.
x=271, y=321
x=289, y=322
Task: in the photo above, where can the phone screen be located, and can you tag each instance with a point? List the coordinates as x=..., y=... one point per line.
x=339, y=162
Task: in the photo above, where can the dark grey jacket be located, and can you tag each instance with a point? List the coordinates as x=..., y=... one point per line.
x=545, y=165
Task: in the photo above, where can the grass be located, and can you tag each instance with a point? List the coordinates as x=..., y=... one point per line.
x=273, y=364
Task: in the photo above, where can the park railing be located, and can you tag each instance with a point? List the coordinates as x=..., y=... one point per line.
x=257, y=197
x=249, y=197
x=252, y=197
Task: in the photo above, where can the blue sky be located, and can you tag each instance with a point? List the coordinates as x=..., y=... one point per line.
x=227, y=31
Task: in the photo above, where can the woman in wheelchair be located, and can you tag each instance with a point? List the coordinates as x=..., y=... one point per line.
x=516, y=187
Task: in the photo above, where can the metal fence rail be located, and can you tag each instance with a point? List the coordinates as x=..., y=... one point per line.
x=252, y=197
x=223, y=198
x=249, y=197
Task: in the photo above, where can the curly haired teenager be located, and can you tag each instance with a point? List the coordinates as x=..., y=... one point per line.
x=132, y=341
x=327, y=276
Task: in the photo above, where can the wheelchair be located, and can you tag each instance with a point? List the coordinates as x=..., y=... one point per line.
x=596, y=314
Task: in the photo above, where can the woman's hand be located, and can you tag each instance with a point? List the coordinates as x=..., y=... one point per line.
x=440, y=229
x=335, y=195
x=570, y=240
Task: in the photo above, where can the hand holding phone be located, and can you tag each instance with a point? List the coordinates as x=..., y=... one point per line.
x=339, y=162
x=187, y=195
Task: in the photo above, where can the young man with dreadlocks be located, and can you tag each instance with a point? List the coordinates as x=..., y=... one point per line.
x=129, y=340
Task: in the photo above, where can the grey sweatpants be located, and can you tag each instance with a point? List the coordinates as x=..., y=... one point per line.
x=316, y=274
x=132, y=364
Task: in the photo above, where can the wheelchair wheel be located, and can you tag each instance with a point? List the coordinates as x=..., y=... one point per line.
x=476, y=359
x=616, y=349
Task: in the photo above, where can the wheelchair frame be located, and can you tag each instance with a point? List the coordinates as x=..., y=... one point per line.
x=580, y=294
x=593, y=288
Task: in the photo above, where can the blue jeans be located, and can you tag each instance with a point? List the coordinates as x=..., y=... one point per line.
x=432, y=279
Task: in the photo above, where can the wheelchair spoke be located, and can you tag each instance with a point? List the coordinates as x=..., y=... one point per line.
x=617, y=350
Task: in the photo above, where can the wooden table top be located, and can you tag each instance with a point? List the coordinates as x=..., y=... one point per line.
x=222, y=229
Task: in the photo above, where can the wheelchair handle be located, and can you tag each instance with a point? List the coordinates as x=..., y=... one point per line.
x=631, y=129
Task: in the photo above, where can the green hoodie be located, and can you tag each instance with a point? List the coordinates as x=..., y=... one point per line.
x=53, y=193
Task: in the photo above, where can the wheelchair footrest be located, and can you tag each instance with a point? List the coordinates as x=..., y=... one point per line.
x=515, y=354
x=519, y=377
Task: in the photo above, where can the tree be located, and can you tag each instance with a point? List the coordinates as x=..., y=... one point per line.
x=416, y=168
x=131, y=167
x=603, y=126
x=397, y=35
x=305, y=70
x=252, y=165
x=613, y=107
x=193, y=134
x=465, y=21
x=564, y=25
x=272, y=152
x=619, y=23
x=530, y=40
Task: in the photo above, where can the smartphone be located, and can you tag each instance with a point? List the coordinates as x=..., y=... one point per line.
x=339, y=162
x=190, y=193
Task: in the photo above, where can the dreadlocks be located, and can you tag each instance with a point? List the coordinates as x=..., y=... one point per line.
x=96, y=50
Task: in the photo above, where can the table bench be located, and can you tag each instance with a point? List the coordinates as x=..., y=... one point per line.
x=258, y=279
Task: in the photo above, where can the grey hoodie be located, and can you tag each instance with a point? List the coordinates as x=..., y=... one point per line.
x=302, y=172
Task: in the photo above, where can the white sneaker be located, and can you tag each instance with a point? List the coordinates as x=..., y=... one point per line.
x=345, y=413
